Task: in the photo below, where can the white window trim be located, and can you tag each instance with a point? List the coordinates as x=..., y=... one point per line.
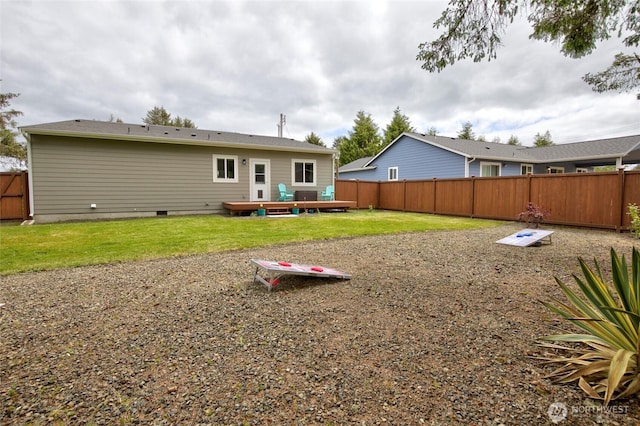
x=215, y=168
x=390, y=170
x=293, y=172
x=557, y=168
x=528, y=166
x=582, y=170
x=489, y=163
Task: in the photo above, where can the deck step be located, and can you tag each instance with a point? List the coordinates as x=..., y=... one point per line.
x=278, y=211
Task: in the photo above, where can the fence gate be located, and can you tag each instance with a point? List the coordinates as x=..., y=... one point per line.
x=14, y=196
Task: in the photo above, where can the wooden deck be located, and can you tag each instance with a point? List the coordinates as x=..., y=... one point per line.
x=285, y=207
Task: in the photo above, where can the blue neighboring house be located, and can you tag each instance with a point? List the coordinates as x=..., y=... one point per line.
x=414, y=156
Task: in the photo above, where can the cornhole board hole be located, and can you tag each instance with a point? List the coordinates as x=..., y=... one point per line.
x=269, y=272
x=527, y=237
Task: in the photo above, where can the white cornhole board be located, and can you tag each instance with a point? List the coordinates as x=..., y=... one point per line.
x=527, y=237
x=272, y=271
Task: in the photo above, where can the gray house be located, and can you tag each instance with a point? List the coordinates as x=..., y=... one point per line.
x=83, y=169
x=413, y=156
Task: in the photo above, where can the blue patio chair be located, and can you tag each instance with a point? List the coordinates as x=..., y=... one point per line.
x=328, y=193
x=284, y=194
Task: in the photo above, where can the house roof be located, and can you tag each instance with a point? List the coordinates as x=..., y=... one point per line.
x=358, y=164
x=169, y=134
x=595, y=152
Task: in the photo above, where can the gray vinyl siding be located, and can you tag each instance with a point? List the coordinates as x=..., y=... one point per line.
x=125, y=177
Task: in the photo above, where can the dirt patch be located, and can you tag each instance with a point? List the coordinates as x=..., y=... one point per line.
x=433, y=328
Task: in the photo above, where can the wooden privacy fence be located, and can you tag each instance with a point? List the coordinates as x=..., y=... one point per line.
x=597, y=200
x=14, y=196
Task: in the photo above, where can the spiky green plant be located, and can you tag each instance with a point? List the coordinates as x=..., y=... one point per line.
x=606, y=356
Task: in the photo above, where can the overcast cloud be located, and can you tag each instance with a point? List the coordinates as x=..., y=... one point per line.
x=236, y=65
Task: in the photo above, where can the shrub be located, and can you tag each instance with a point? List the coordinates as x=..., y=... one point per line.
x=534, y=214
x=605, y=360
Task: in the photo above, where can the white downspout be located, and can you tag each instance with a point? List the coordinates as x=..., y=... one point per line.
x=466, y=165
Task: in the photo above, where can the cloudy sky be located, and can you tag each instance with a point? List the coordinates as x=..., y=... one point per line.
x=234, y=65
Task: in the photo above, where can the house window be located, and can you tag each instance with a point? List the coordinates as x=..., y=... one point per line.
x=304, y=172
x=582, y=170
x=526, y=169
x=555, y=169
x=225, y=168
x=489, y=169
x=393, y=173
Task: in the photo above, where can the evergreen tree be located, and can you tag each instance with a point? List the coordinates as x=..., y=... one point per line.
x=363, y=141
x=399, y=124
x=11, y=151
x=513, y=140
x=432, y=131
x=466, y=132
x=314, y=139
x=159, y=116
x=338, y=142
x=542, y=140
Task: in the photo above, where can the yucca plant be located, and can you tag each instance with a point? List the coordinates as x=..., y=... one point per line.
x=606, y=355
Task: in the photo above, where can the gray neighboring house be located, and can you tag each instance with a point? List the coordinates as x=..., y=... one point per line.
x=84, y=169
x=414, y=156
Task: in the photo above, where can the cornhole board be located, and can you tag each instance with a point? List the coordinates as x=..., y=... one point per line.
x=527, y=237
x=269, y=272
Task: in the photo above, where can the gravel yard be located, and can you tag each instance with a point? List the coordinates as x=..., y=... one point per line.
x=433, y=328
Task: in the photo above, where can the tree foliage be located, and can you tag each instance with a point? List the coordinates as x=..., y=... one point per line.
x=314, y=139
x=542, y=140
x=363, y=141
x=513, y=140
x=398, y=125
x=10, y=148
x=623, y=75
x=466, y=132
x=159, y=116
x=474, y=29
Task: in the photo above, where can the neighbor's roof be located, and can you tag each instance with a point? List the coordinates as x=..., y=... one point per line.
x=627, y=147
x=358, y=164
x=169, y=134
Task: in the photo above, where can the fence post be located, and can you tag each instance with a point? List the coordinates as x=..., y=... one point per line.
x=435, y=195
x=25, y=195
x=473, y=196
x=620, y=200
x=404, y=195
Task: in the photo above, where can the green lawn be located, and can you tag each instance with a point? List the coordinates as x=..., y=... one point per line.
x=51, y=246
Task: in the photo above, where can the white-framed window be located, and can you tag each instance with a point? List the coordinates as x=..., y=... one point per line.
x=582, y=170
x=526, y=169
x=489, y=169
x=303, y=172
x=225, y=168
x=392, y=173
x=555, y=169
